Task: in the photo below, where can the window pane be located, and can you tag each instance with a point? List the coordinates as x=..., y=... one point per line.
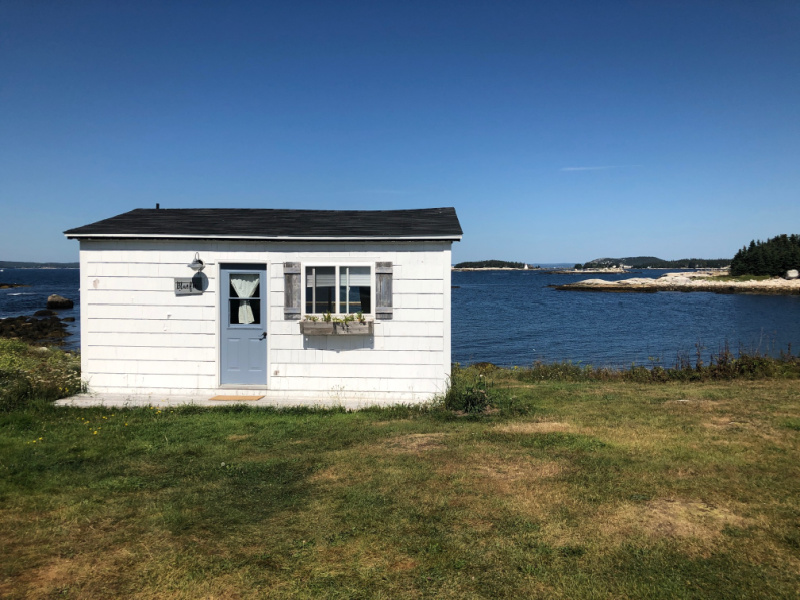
x=320, y=290
x=354, y=290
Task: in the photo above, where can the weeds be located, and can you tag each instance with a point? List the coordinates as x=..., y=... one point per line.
x=724, y=365
x=28, y=373
x=469, y=390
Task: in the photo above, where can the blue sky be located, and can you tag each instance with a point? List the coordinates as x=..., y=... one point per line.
x=560, y=131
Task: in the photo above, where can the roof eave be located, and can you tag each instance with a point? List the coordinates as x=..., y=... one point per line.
x=279, y=238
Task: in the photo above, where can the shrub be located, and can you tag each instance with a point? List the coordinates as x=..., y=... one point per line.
x=469, y=390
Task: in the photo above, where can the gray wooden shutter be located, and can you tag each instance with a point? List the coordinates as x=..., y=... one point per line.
x=383, y=291
x=291, y=291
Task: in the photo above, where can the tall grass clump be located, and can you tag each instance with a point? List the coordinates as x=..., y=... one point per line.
x=469, y=389
x=30, y=373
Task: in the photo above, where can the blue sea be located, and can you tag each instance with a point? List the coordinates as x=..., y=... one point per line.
x=513, y=318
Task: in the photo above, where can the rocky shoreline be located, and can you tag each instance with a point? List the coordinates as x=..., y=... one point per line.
x=686, y=282
x=45, y=328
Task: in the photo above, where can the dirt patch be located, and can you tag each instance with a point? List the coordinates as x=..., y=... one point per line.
x=328, y=475
x=538, y=427
x=516, y=470
x=417, y=443
x=703, y=405
x=520, y=482
x=58, y=574
x=355, y=556
x=408, y=564
x=238, y=437
x=683, y=519
x=724, y=423
x=677, y=519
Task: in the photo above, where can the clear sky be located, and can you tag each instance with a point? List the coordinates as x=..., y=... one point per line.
x=561, y=131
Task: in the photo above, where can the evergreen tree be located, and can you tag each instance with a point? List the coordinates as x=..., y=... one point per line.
x=773, y=257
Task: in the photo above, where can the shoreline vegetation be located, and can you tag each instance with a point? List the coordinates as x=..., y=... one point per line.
x=685, y=488
x=701, y=281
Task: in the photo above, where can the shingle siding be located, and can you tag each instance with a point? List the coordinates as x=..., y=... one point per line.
x=138, y=337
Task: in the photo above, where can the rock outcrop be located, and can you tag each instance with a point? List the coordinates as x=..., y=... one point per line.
x=47, y=330
x=54, y=301
x=686, y=282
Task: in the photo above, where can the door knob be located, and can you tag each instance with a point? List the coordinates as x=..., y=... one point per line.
x=263, y=336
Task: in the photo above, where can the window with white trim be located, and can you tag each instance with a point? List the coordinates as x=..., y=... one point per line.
x=340, y=289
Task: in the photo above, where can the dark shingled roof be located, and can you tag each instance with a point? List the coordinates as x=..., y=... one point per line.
x=268, y=223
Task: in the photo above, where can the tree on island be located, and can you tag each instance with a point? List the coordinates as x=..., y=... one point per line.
x=490, y=264
x=652, y=262
x=773, y=257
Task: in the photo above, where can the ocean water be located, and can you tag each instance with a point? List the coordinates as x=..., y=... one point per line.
x=513, y=318
x=40, y=283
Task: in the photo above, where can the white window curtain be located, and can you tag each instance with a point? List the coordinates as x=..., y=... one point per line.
x=244, y=286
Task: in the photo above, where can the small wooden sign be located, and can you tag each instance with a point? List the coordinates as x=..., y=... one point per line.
x=186, y=286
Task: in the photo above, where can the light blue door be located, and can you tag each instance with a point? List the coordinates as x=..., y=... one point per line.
x=243, y=343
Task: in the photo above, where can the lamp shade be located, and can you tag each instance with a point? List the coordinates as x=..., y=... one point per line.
x=196, y=264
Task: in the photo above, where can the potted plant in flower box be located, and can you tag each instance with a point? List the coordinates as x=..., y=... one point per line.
x=328, y=324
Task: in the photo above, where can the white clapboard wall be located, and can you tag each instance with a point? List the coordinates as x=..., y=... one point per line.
x=139, y=337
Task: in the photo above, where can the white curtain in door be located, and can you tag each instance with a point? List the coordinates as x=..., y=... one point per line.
x=244, y=286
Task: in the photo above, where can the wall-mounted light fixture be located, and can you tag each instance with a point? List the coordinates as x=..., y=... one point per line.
x=196, y=264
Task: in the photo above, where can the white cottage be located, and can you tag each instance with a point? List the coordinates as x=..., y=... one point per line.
x=297, y=306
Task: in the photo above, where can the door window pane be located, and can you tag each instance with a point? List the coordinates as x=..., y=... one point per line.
x=245, y=303
x=245, y=312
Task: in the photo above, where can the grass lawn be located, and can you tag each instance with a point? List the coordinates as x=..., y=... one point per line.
x=569, y=490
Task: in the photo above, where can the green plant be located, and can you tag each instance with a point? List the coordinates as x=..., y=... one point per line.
x=312, y=318
x=725, y=364
x=327, y=317
x=468, y=390
x=28, y=373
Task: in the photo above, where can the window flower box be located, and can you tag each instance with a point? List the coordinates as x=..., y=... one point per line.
x=336, y=328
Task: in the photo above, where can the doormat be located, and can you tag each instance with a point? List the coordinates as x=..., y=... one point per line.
x=237, y=398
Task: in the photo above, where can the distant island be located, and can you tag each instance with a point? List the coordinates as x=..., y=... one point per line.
x=607, y=264
x=653, y=262
x=493, y=264
x=769, y=267
x=6, y=264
